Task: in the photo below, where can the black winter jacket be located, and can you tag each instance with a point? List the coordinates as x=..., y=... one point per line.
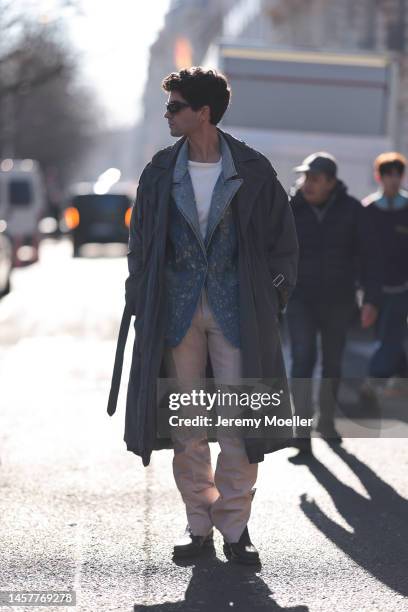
x=392, y=229
x=338, y=251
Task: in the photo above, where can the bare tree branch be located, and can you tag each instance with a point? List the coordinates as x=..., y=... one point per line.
x=44, y=114
x=38, y=80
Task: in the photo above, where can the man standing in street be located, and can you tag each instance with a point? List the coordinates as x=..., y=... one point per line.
x=333, y=231
x=212, y=260
x=389, y=208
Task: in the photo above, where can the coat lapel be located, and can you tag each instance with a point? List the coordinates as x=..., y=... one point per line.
x=183, y=194
x=246, y=196
x=162, y=184
x=222, y=195
x=242, y=177
x=183, y=191
x=225, y=189
x=252, y=173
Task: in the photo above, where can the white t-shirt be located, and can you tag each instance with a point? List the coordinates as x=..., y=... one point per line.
x=204, y=176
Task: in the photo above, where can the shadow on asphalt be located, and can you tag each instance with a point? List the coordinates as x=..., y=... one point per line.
x=217, y=586
x=380, y=527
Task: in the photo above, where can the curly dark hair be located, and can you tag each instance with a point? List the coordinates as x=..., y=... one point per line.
x=200, y=87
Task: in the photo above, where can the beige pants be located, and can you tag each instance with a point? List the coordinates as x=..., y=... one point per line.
x=221, y=498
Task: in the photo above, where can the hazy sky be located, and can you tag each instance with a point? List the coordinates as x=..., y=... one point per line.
x=114, y=37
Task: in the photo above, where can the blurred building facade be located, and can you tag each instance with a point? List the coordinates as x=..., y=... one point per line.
x=192, y=26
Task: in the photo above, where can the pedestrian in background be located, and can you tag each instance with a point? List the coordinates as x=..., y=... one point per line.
x=389, y=208
x=337, y=249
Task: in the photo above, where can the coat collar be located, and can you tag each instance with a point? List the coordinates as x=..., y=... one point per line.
x=181, y=164
x=247, y=164
x=240, y=152
x=225, y=188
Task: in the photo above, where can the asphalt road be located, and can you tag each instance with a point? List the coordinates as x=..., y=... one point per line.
x=77, y=511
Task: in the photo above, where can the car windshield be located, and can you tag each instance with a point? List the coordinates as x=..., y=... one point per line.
x=105, y=201
x=20, y=193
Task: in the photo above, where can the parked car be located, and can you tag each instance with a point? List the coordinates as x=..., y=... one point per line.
x=6, y=259
x=98, y=217
x=22, y=204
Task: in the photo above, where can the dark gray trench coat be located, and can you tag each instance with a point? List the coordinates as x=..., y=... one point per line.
x=268, y=253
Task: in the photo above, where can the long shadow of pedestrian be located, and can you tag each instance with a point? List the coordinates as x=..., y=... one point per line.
x=219, y=586
x=380, y=526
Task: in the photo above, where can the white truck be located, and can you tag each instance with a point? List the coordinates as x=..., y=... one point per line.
x=22, y=204
x=288, y=104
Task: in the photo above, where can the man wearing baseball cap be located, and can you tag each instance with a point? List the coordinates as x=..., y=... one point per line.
x=319, y=163
x=333, y=233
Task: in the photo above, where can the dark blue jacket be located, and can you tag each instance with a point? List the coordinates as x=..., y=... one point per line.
x=338, y=249
x=391, y=221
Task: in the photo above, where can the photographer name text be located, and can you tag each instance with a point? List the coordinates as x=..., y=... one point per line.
x=256, y=422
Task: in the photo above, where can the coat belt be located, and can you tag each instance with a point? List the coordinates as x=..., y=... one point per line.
x=118, y=366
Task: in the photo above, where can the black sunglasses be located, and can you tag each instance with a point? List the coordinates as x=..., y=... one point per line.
x=176, y=106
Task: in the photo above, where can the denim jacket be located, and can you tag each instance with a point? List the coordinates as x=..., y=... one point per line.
x=194, y=263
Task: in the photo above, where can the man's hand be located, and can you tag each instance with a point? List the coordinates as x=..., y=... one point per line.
x=368, y=316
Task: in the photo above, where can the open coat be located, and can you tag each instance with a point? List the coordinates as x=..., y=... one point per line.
x=268, y=254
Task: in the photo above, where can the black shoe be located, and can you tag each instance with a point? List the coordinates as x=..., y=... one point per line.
x=328, y=432
x=242, y=551
x=190, y=545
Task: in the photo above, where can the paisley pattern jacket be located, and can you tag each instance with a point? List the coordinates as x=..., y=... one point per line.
x=193, y=263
